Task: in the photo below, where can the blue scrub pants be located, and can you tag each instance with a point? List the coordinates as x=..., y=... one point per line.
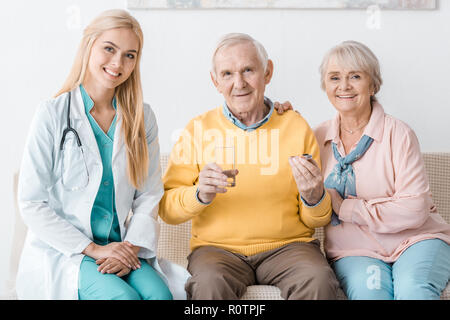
x=141, y=284
x=420, y=273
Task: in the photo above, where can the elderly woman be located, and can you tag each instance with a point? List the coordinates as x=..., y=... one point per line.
x=386, y=240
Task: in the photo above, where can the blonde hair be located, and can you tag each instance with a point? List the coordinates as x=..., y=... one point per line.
x=356, y=56
x=231, y=39
x=129, y=93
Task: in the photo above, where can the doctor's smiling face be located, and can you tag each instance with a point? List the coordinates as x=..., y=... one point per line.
x=113, y=57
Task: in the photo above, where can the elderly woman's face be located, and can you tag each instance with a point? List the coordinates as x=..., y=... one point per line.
x=348, y=90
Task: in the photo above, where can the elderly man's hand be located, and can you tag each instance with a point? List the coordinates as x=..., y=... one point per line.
x=211, y=181
x=309, y=179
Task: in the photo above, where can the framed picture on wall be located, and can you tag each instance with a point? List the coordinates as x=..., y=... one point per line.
x=282, y=4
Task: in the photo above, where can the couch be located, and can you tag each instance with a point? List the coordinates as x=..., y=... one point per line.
x=174, y=239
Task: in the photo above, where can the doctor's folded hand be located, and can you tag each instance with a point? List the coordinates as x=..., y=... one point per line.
x=124, y=252
x=112, y=266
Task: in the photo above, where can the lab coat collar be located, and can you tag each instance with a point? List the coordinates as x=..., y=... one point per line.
x=118, y=143
x=80, y=123
x=77, y=110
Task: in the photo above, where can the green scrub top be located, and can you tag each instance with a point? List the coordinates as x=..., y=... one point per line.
x=104, y=221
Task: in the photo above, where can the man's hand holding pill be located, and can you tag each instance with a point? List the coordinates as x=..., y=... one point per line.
x=308, y=178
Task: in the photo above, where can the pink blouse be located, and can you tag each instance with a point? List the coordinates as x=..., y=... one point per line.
x=393, y=208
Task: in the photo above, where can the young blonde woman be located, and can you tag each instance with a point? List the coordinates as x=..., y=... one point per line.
x=91, y=157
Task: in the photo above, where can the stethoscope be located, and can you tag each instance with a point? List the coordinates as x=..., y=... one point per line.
x=77, y=180
x=69, y=128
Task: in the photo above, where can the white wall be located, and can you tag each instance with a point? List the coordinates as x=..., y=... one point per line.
x=39, y=38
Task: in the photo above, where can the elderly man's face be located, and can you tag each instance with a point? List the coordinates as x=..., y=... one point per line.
x=240, y=77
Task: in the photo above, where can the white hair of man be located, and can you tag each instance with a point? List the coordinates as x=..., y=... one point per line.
x=232, y=39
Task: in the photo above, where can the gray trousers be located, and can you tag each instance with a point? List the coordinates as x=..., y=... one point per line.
x=299, y=269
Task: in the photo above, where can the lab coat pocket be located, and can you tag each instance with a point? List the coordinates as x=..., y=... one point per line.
x=74, y=173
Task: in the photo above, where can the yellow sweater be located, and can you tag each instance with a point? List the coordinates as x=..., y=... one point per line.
x=263, y=211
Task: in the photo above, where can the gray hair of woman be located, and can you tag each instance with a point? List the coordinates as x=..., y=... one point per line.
x=354, y=56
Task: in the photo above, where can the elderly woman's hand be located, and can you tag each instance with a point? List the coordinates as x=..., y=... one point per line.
x=336, y=200
x=283, y=107
x=308, y=178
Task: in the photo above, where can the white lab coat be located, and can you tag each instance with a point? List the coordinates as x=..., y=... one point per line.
x=59, y=220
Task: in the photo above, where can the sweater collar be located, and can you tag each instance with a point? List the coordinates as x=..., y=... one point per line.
x=229, y=115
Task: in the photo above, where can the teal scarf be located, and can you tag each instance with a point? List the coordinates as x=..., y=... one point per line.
x=342, y=178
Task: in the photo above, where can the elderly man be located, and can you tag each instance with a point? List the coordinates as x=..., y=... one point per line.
x=259, y=231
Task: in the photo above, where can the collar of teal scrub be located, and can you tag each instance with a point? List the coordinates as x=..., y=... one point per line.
x=89, y=103
x=227, y=113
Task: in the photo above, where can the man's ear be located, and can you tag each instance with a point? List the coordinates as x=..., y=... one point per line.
x=269, y=71
x=214, y=81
